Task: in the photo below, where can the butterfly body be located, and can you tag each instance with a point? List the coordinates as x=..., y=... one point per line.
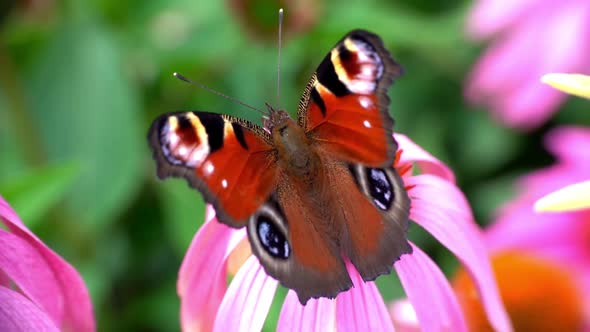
x=295, y=153
x=313, y=192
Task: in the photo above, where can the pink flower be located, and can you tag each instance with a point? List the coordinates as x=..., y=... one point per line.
x=556, y=243
x=541, y=261
x=531, y=38
x=437, y=205
x=39, y=291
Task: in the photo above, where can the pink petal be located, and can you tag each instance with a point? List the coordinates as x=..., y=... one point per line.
x=564, y=26
x=488, y=17
x=202, y=276
x=362, y=307
x=44, y=276
x=316, y=315
x=561, y=236
x=19, y=314
x=547, y=39
x=570, y=144
x=404, y=316
x=529, y=105
x=414, y=154
x=429, y=292
x=439, y=207
x=506, y=57
x=4, y=279
x=246, y=303
x=544, y=181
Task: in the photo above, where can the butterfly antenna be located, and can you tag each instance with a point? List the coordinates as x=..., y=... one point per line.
x=204, y=87
x=279, y=58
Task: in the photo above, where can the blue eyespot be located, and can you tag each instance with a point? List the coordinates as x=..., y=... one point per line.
x=380, y=188
x=271, y=238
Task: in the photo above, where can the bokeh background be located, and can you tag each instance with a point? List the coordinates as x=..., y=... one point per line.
x=81, y=81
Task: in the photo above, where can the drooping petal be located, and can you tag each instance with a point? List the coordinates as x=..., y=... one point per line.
x=4, y=279
x=19, y=314
x=528, y=106
x=317, y=315
x=562, y=236
x=246, y=303
x=491, y=16
x=202, y=276
x=507, y=57
x=440, y=208
x=429, y=292
x=27, y=268
x=414, y=154
x=43, y=276
x=570, y=144
x=362, y=307
x=532, y=38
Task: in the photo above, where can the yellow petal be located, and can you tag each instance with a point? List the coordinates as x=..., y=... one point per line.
x=575, y=84
x=570, y=198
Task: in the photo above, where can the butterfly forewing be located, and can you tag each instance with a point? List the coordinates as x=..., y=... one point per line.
x=345, y=104
x=230, y=161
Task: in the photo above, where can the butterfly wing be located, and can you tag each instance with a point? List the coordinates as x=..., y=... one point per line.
x=229, y=160
x=345, y=111
x=376, y=219
x=345, y=104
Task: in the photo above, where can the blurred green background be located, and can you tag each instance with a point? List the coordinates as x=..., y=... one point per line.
x=81, y=81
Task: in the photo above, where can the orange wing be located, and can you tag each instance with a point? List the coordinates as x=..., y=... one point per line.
x=230, y=161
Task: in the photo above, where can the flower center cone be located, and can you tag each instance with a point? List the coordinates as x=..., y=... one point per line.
x=538, y=294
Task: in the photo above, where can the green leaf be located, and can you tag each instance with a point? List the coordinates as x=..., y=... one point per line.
x=34, y=193
x=87, y=110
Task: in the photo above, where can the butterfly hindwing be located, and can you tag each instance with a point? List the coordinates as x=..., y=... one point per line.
x=376, y=220
x=231, y=161
x=345, y=104
x=296, y=244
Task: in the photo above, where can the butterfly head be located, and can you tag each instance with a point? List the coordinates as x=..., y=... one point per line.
x=276, y=118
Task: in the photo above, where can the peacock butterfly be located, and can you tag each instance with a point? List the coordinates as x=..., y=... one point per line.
x=312, y=193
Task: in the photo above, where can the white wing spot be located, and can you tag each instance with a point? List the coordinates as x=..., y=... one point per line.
x=182, y=151
x=367, y=124
x=365, y=102
x=173, y=139
x=209, y=168
x=224, y=183
x=198, y=155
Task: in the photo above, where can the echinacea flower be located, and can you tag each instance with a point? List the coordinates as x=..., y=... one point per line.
x=207, y=303
x=530, y=38
x=39, y=291
x=541, y=261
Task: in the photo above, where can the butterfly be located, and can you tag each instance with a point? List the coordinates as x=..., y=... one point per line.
x=315, y=192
